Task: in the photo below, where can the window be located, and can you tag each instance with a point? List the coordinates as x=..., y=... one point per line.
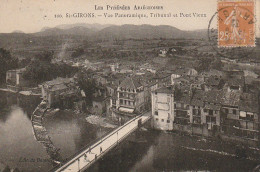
x=168, y=121
x=156, y=119
x=234, y=111
x=210, y=112
x=205, y=110
x=213, y=119
x=156, y=113
x=226, y=110
x=250, y=116
x=197, y=120
x=210, y=119
x=162, y=120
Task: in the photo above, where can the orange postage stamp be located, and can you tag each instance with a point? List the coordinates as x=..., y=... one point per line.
x=236, y=23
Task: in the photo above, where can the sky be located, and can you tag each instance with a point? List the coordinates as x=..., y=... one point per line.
x=32, y=15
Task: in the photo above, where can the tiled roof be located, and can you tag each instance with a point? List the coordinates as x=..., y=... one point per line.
x=213, y=96
x=183, y=96
x=212, y=106
x=212, y=72
x=58, y=81
x=130, y=83
x=234, y=72
x=235, y=82
x=167, y=90
x=249, y=103
x=58, y=87
x=231, y=98
x=213, y=81
x=197, y=98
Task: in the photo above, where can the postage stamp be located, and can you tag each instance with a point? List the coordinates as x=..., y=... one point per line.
x=236, y=23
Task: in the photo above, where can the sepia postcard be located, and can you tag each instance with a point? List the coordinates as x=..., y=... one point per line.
x=129, y=85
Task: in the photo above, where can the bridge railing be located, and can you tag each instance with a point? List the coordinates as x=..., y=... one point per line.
x=92, y=145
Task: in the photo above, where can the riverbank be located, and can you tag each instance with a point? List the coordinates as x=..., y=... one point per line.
x=100, y=121
x=41, y=134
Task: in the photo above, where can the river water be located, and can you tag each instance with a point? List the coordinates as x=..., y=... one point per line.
x=154, y=151
x=143, y=151
x=18, y=147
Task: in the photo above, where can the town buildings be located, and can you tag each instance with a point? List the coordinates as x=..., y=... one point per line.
x=15, y=80
x=133, y=96
x=221, y=108
x=61, y=92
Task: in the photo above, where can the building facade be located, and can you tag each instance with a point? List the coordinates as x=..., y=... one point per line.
x=232, y=116
x=61, y=92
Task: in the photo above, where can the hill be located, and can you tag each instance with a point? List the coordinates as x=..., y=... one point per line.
x=146, y=32
x=78, y=30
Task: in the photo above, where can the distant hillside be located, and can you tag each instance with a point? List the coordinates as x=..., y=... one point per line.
x=108, y=32
x=17, y=31
x=95, y=32
x=79, y=30
x=95, y=26
x=146, y=32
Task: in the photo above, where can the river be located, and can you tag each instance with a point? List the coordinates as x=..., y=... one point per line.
x=18, y=147
x=155, y=151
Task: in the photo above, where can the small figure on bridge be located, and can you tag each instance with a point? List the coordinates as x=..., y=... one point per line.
x=95, y=156
x=90, y=151
x=120, y=121
x=85, y=156
x=100, y=149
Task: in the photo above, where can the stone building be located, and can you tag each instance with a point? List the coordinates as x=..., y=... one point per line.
x=61, y=92
x=229, y=115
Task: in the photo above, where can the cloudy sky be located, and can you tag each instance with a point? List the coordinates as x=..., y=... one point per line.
x=33, y=15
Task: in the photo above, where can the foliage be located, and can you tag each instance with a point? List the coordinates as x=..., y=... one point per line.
x=205, y=64
x=41, y=69
x=46, y=56
x=7, y=62
x=88, y=85
x=77, y=53
x=217, y=64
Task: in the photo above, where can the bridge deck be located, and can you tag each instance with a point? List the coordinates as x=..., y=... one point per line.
x=92, y=153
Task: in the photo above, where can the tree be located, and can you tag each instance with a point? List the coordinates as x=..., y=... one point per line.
x=78, y=52
x=217, y=64
x=41, y=69
x=45, y=56
x=204, y=64
x=88, y=85
x=7, y=62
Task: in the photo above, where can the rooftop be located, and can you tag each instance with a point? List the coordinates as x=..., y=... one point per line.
x=166, y=90
x=58, y=80
x=231, y=98
x=249, y=103
x=130, y=83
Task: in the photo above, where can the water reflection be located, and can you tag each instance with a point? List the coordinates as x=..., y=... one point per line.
x=169, y=152
x=72, y=133
x=19, y=148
